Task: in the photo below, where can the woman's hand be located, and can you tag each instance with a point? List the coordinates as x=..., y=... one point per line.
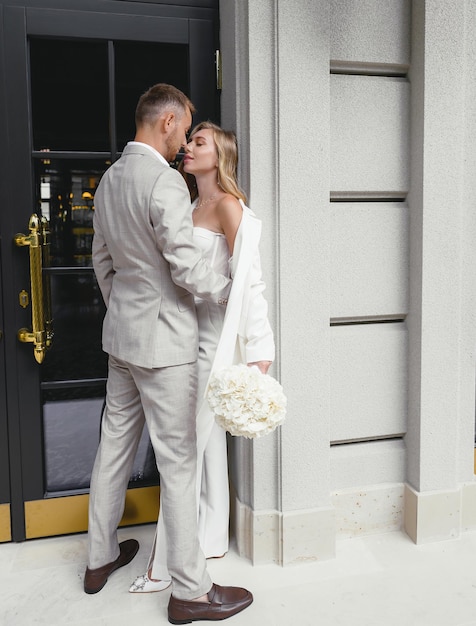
x=263, y=366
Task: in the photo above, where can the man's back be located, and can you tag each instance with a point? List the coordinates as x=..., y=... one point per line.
x=143, y=212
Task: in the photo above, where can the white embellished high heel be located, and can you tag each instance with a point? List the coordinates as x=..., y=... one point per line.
x=143, y=584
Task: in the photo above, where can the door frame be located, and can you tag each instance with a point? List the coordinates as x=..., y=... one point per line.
x=5, y=525
x=5, y=498
x=186, y=21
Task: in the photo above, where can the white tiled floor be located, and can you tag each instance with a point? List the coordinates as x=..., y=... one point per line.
x=382, y=580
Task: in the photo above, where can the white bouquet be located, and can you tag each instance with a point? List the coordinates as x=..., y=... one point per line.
x=246, y=402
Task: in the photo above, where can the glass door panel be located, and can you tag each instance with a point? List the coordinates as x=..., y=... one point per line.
x=138, y=66
x=64, y=191
x=71, y=425
x=78, y=310
x=69, y=94
x=74, y=143
x=74, y=371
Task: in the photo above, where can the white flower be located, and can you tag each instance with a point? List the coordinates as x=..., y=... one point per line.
x=246, y=402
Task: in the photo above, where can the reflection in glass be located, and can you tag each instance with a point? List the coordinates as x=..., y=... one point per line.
x=71, y=427
x=65, y=196
x=69, y=94
x=78, y=311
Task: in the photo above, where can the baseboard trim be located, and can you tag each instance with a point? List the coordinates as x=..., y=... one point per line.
x=284, y=538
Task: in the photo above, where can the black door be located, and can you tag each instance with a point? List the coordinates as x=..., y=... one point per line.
x=70, y=81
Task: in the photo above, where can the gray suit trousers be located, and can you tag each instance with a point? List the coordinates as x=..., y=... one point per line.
x=167, y=398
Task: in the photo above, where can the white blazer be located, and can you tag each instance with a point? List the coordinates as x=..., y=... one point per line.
x=246, y=336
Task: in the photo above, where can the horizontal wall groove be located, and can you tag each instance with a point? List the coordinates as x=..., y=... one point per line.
x=348, y=442
x=392, y=70
x=368, y=196
x=390, y=319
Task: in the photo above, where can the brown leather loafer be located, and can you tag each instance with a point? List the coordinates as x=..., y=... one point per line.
x=223, y=602
x=95, y=579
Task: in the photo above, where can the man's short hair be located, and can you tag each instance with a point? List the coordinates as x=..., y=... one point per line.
x=158, y=99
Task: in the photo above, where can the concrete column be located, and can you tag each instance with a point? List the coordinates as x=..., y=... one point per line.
x=442, y=260
x=303, y=80
x=276, y=95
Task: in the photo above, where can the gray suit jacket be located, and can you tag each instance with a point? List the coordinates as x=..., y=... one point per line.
x=146, y=263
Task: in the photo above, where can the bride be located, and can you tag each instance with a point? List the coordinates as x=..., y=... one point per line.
x=228, y=232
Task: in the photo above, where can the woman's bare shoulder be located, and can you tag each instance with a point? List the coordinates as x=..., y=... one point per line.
x=230, y=205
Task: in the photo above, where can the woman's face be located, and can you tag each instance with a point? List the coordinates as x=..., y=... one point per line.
x=200, y=153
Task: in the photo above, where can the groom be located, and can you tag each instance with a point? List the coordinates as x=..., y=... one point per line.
x=147, y=268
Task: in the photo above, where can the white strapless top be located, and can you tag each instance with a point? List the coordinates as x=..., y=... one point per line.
x=214, y=248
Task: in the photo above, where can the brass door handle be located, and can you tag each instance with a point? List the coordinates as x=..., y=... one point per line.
x=41, y=334
x=48, y=314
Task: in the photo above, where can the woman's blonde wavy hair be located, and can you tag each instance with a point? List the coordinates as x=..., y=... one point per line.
x=227, y=148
